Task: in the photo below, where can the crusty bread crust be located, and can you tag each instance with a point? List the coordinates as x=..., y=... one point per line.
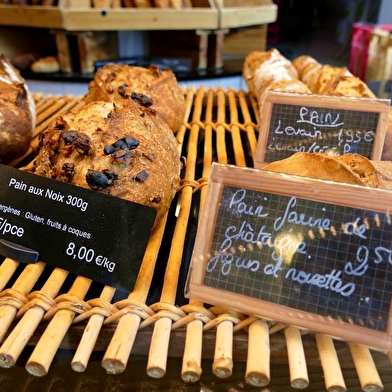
x=17, y=113
x=117, y=81
x=386, y=154
x=329, y=80
x=261, y=69
x=123, y=149
x=348, y=168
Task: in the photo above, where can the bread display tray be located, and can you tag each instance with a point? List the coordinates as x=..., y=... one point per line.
x=49, y=309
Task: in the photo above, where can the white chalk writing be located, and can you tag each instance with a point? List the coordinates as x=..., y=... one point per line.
x=284, y=235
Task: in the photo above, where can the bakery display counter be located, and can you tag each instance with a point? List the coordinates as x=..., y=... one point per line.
x=93, y=337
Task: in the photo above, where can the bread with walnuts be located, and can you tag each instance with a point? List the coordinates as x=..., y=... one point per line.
x=17, y=113
x=118, y=81
x=123, y=149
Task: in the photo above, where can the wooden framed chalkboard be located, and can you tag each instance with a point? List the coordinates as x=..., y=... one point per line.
x=305, y=252
x=292, y=122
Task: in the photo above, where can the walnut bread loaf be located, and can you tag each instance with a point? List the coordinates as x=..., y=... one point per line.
x=114, y=82
x=123, y=149
x=17, y=113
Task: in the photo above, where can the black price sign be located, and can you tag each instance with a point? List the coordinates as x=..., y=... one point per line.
x=82, y=231
x=320, y=124
x=299, y=251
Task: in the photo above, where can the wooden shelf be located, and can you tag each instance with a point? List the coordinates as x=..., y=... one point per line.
x=31, y=16
x=92, y=29
x=215, y=17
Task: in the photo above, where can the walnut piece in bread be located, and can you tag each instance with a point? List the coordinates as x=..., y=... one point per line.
x=122, y=149
x=17, y=113
x=114, y=82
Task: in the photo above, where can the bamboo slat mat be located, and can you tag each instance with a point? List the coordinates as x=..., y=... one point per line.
x=49, y=309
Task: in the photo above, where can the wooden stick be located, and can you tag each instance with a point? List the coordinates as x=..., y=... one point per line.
x=250, y=130
x=22, y=287
x=235, y=131
x=297, y=362
x=117, y=354
x=220, y=130
x=191, y=360
x=222, y=366
x=41, y=358
x=191, y=364
x=90, y=335
x=23, y=331
x=366, y=369
x=258, y=360
x=333, y=376
x=156, y=365
x=7, y=269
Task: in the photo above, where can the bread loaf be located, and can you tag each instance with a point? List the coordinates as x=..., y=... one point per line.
x=386, y=154
x=122, y=149
x=261, y=69
x=48, y=64
x=348, y=168
x=17, y=113
x=118, y=81
x=330, y=80
x=306, y=66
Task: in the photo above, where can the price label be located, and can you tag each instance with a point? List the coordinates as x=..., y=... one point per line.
x=320, y=124
x=85, y=232
x=299, y=251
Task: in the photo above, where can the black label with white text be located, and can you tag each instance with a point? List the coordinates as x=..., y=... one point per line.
x=82, y=231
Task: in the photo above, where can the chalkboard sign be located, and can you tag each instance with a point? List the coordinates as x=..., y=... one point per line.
x=317, y=123
x=305, y=252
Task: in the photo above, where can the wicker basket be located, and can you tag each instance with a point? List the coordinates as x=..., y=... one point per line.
x=49, y=309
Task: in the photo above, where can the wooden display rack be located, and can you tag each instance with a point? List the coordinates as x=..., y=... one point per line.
x=153, y=320
x=207, y=22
